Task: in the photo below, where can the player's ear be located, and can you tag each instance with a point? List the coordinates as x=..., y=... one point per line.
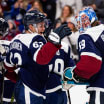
x=31, y=27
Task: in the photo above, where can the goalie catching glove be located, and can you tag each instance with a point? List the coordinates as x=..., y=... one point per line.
x=58, y=34
x=70, y=78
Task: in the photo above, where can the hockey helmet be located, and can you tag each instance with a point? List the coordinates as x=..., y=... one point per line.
x=85, y=18
x=33, y=17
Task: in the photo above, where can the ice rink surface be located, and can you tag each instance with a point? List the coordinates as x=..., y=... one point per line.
x=78, y=94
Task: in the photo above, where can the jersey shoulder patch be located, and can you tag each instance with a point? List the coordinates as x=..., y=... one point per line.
x=95, y=32
x=26, y=39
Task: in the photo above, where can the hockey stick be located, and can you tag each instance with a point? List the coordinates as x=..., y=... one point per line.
x=69, y=96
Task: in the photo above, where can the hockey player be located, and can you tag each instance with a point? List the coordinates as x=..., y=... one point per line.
x=31, y=53
x=5, y=83
x=62, y=59
x=54, y=91
x=91, y=49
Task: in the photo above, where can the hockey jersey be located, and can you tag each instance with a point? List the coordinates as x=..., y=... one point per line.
x=91, y=50
x=60, y=61
x=7, y=83
x=27, y=52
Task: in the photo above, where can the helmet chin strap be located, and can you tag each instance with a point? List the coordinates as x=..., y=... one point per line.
x=30, y=31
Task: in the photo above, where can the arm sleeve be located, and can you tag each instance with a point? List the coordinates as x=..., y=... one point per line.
x=10, y=67
x=11, y=75
x=90, y=58
x=42, y=52
x=46, y=53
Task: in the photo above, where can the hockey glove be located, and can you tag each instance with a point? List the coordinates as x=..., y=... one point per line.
x=58, y=34
x=70, y=79
x=48, y=28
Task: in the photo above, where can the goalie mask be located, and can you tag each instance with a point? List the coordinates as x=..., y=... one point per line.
x=4, y=28
x=85, y=18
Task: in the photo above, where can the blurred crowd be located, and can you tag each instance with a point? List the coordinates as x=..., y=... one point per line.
x=58, y=11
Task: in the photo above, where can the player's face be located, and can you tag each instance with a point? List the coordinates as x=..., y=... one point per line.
x=41, y=27
x=38, y=28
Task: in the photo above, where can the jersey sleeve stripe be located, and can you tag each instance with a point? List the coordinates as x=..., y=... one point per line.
x=7, y=64
x=54, y=89
x=92, y=55
x=35, y=55
x=87, y=66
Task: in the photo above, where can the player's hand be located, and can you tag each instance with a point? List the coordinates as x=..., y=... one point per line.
x=58, y=34
x=62, y=31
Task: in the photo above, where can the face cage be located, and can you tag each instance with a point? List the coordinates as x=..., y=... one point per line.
x=46, y=25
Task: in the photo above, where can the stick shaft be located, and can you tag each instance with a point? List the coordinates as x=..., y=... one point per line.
x=69, y=96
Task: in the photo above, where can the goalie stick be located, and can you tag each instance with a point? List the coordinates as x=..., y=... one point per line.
x=69, y=99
